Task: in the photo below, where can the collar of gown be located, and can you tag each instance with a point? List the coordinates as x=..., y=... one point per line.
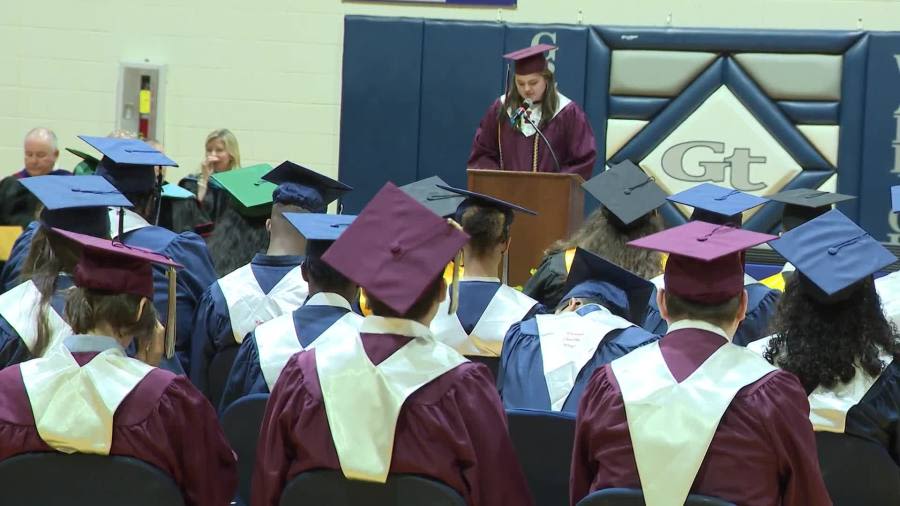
x=699, y=325
x=394, y=326
x=83, y=343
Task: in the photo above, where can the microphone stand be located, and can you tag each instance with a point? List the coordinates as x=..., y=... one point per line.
x=538, y=130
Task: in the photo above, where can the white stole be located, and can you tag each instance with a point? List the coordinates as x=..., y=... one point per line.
x=363, y=401
x=672, y=424
x=535, y=114
x=19, y=308
x=507, y=307
x=568, y=341
x=277, y=340
x=249, y=306
x=660, y=281
x=131, y=222
x=74, y=405
x=888, y=288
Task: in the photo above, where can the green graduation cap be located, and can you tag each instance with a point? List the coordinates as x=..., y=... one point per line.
x=251, y=194
x=88, y=162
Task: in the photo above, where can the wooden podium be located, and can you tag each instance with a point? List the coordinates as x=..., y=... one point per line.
x=557, y=198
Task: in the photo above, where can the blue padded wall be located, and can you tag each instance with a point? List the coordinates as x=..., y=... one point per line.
x=379, y=104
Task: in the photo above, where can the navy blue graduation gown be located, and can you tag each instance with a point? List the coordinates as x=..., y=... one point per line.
x=212, y=324
x=877, y=416
x=246, y=375
x=521, y=376
x=13, y=349
x=188, y=249
x=474, y=297
x=12, y=269
x=762, y=302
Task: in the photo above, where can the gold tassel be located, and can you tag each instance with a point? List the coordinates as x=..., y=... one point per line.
x=454, y=285
x=170, y=320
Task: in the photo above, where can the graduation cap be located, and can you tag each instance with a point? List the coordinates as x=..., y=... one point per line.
x=175, y=192
x=250, y=193
x=804, y=204
x=428, y=193
x=395, y=248
x=76, y=203
x=128, y=163
x=717, y=204
x=706, y=261
x=320, y=230
x=895, y=199
x=531, y=59
x=89, y=160
x=832, y=254
x=593, y=276
x=303, y=187
x=626, y=192
x=114, y=267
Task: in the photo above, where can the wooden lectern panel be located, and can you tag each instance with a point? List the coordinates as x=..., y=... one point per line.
x=557, y=198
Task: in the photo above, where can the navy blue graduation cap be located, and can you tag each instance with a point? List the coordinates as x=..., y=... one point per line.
x=303, y=187
x=717, y=204
x=320, y=230
x=128, y=163
x=895, y=199
x=804, y=204
x=626, y=192
x=428, y=192
x=832, y=254
x=508, y=208
x=592, y=276
x=76, y=203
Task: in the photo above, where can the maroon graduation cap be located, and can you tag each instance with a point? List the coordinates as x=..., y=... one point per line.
x=395, y=248
x=531, y=59
x=706, y=261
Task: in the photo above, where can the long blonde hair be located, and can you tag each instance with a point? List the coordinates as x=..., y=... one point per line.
x=230, y=142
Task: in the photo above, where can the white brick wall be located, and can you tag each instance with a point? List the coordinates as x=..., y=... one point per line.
x=270, y=70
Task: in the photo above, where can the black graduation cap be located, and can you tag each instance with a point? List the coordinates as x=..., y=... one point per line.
x=426, y=192
x=626, y=191
x=485, y=200
x=304, y=187
x=593, y=276
x=804, y=204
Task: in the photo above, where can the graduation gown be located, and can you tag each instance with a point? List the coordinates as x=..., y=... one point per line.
x=279, y=289
x=306, y=323
x=486, y=310
x=163, y=421
x=523, y=380
x=452, y=429
x=186, y=248
x=547, y=283
x=12, y=269
x=762, y=302
x=569, y=132
x=17, y=327
x=202, y=216
x=18, y=206
x=763, y=451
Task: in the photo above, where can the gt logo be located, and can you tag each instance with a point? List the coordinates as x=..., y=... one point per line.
x=739, y=162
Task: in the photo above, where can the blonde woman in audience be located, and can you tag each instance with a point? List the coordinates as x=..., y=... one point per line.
x=222, y=154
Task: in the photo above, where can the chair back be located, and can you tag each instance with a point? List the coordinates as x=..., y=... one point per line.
x=332, y=488
x=635, y=497
x=857, y=471
x=58, y=479
x=543, y=441
x=241, y=423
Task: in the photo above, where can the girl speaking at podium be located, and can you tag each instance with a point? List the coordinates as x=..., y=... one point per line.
x=534, y=127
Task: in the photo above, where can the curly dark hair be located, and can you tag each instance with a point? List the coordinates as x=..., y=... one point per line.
x=487, y=227
x=600, y=234
x=820, y=342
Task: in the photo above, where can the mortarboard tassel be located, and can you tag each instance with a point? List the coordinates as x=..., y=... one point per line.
x=170, y=320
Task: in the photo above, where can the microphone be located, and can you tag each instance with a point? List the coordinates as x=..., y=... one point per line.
x=523, y=109
x=538, y=130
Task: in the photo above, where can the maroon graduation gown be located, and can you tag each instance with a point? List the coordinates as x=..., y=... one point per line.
x=763, y=452
x=452, y=430
x=164, y=421
x=569, y=133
